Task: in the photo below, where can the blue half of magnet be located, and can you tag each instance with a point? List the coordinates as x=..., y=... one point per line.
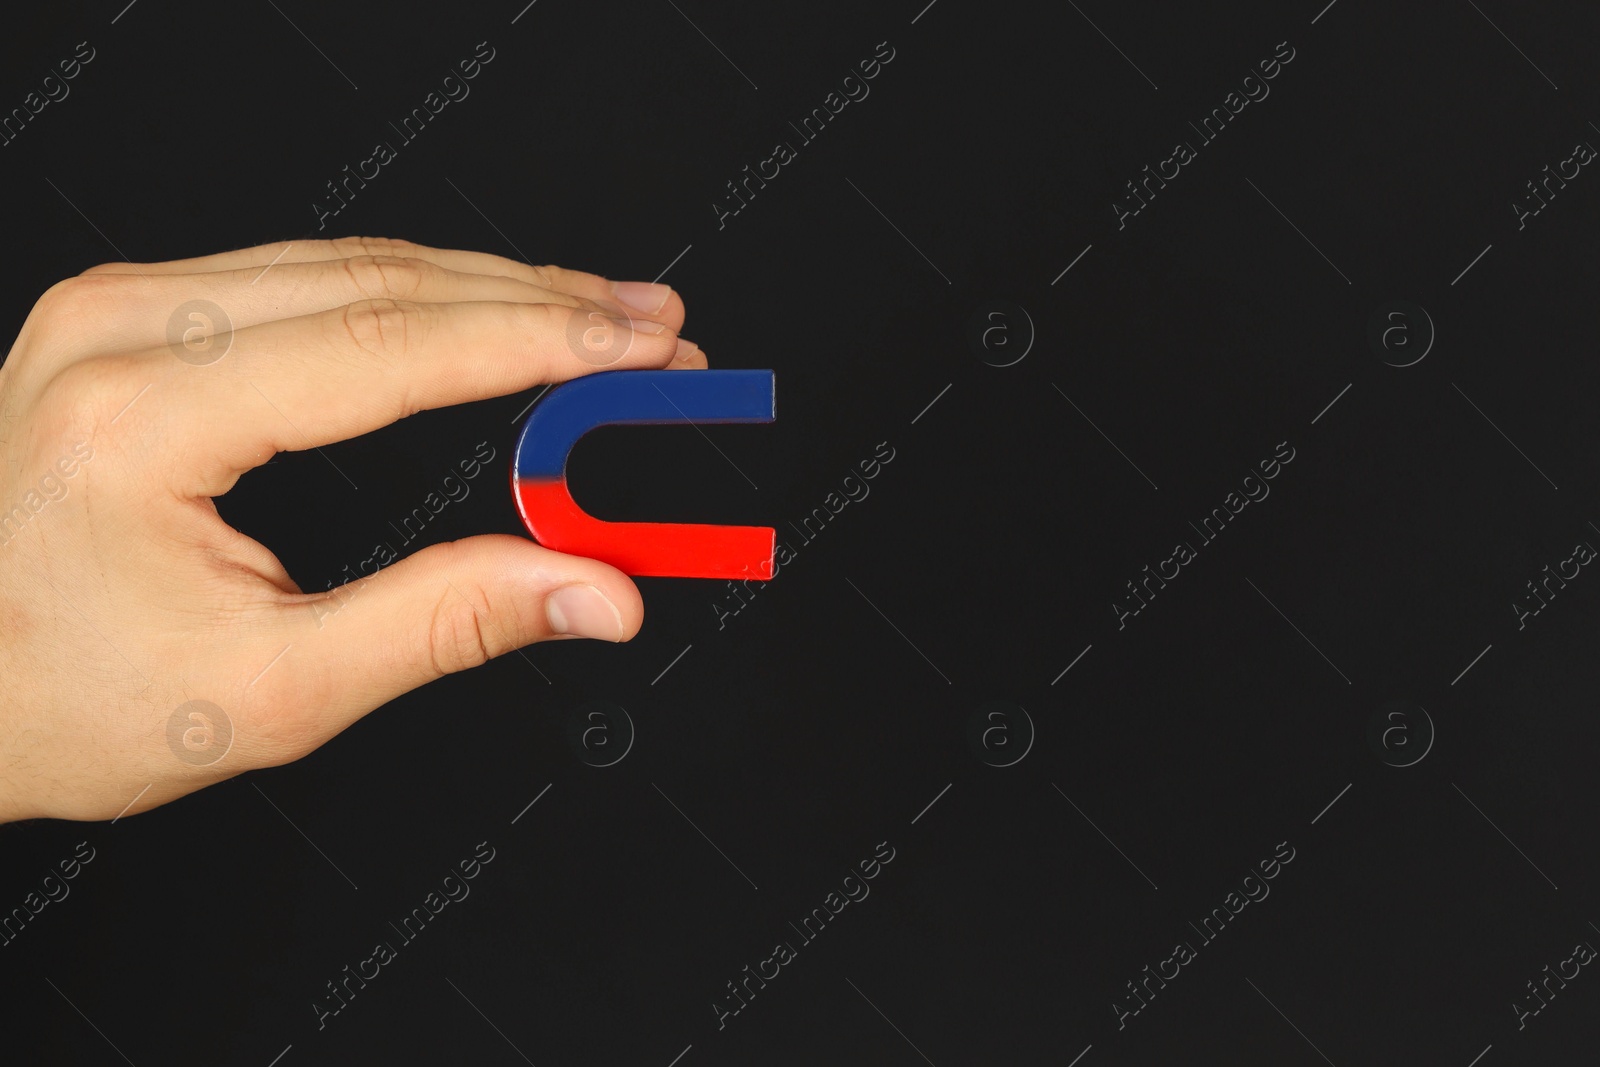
x=637, y=397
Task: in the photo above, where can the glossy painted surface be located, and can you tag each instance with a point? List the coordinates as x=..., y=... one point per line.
x=611, y=398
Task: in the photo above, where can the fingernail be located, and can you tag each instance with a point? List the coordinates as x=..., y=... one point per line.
x=639, y=325
x=686, y=350
x=583, y=611
x=649, y=297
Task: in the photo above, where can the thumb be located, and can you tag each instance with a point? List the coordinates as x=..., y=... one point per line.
x=448, y=608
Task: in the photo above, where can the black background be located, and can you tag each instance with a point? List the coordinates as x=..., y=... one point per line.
x=1177, y=752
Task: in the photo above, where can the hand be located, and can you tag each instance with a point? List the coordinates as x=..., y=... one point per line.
x=123, y=594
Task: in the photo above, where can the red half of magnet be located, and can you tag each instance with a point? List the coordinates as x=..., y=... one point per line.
x=646, y=549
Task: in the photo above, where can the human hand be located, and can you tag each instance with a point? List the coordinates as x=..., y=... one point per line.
x=123, y=594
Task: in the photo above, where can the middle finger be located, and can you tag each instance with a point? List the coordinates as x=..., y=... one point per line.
x=186, y=309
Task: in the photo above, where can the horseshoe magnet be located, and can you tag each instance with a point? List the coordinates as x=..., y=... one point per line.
x=639, y=398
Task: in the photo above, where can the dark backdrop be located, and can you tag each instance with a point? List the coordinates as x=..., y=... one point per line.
x=942, y=674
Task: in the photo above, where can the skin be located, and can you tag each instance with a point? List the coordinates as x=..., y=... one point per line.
x=123, y=594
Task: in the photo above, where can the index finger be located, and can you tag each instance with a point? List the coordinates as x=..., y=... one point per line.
x=653, y=299
x=300, y=383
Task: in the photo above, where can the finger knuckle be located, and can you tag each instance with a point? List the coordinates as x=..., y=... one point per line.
x=548, y=277
x=69, y=300
x=382, y=327
x=541, y=316
x=87, y=394
x=456, y=636
x=373, y=246
x=375, y=276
